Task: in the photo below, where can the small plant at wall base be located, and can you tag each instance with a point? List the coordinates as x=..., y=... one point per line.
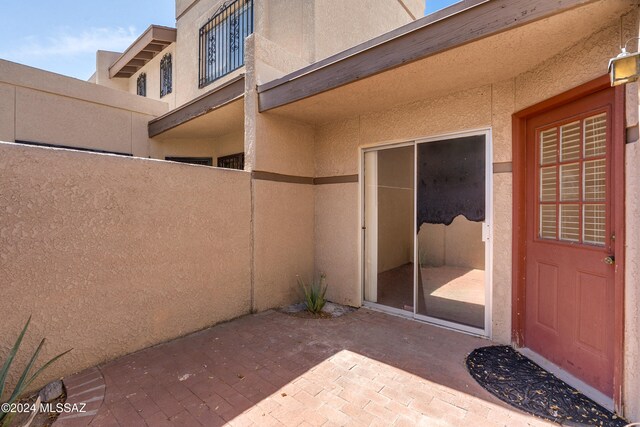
x=314, y=294
x=25, y=379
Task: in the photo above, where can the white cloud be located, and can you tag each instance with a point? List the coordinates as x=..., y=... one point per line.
x=66, y=44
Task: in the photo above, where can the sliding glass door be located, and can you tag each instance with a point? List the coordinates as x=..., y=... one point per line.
x=425, y=230
x=389, y=231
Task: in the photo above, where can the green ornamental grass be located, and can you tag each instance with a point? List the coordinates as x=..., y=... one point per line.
x=314, y=294
x=25, y=379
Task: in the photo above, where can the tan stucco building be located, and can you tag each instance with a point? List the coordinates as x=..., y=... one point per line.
x=472, y=168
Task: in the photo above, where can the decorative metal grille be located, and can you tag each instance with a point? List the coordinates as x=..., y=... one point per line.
x=165, y=75
x=234, y=161
x=141, y=84
x=222, y=41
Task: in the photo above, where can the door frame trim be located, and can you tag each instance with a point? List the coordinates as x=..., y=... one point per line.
x=519, y=122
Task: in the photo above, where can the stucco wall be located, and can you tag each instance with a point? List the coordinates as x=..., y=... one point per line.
x=191, y=147
x=104, y=60
x=490, y=104
x=300, y=32
x=632, y=241
x=283, y=222
x=339, y=25
x=314, y=30
x=283, y=242
x=632, y=272
x=336, y=153
x=39, y=106
x=273, y=60
x=336, y=241
x=188, y=25
x=152, y=70
x=283, y=211
x=112, y=254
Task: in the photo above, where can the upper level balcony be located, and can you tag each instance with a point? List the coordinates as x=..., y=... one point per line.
x=221, y=43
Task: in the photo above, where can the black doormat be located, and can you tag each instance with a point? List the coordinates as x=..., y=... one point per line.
x=518, y=381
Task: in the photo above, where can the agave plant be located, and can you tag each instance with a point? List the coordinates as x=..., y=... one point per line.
x=26, y=378
x=314, y=294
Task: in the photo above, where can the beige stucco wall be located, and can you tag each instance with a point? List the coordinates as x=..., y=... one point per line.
x=283, y=215
x=416, y=7
x=193, y=16
x=191, y=147
x=182, y=6
x=104, y=60
x=39, y=106
x=273, y=61
x=632, y=269
x=336, y=153
x=290, y=25
x=337, y=239
x=283, y=212
x=313, y=30
x=112, y=254
x=632, y=242
x=295, y=33
x=339, y=24
x=490, y=104
x=152, y=69
x=283, y=221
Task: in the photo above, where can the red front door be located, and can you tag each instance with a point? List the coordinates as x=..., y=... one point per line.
x=570, y=236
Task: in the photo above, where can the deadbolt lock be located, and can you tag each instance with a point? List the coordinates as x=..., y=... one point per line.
x=609, y=260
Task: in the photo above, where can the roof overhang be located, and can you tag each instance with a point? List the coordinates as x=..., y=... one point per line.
x=153, y=41
x=463, y=23
x=194, y=119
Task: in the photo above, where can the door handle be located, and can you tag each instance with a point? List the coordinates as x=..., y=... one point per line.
x=610, y=260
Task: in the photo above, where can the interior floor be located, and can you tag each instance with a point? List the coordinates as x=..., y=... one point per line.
x=455, y=294
x=395, y=287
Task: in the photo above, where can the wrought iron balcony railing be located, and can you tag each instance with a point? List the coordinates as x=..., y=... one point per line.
x=221, y=49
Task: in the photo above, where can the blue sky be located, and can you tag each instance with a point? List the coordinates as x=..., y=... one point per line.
x=63, y=36
x=433, y=5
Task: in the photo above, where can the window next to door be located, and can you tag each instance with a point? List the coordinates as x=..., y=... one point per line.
x=221, y=48
x=572, y=178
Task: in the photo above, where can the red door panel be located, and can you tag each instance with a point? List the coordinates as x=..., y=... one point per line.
x=569, y=290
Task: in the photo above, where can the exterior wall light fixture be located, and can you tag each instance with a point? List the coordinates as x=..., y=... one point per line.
x=625, y=68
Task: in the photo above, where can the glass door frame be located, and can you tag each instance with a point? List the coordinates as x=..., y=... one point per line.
x=487, y=232
x=363, y=262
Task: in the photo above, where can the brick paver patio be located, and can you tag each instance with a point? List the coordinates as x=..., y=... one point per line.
x=365, y=368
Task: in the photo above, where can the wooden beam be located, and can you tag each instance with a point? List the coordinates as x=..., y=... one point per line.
x=433, y=17
x=129, y=69
x=146, y=56
x=153, y=47
x=152, y=41
x=212, y=100
x=469, y=21
x=137, y=62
